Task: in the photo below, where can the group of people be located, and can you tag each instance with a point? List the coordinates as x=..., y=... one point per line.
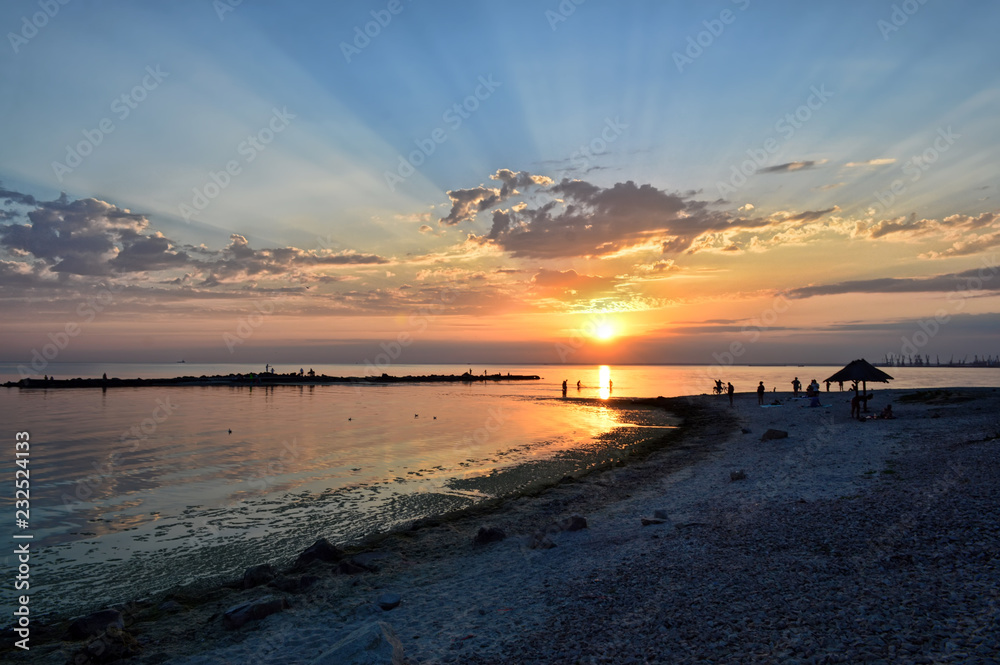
x=579, y=386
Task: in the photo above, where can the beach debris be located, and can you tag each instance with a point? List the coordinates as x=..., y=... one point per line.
x=488, y=535
x=389, y=601
x=239, y=615
x=373, y=644
x=257, y=575
x=650, y=521
x=321, y=550
x=746, y=430
x=737, y=475
x=95, y=624
x=774, y=434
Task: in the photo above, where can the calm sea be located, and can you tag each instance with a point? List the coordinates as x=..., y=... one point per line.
x=136, y=490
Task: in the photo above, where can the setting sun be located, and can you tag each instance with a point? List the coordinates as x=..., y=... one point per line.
x=604, y=331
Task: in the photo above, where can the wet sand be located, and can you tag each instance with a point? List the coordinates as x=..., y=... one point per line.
x=624, y=591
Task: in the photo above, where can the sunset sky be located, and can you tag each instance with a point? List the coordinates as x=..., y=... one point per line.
x=500, y=182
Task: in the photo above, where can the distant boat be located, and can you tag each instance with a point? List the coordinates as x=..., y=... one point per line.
x=180, y=361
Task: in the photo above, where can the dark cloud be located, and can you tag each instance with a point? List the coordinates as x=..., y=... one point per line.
x=88, y=238
x=466, y=203
x=788, y=167
x=977, y=279
x=812, y=215
x=593, y=221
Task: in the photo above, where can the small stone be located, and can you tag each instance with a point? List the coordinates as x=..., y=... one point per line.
x=661, y=514
x=239, y=615
x=375, y=643
x=488, y=535
x=737, y=475
x=257, y=575
x=171, y=606
x=574, y=523
x=389, y=601
x=95, y=624
x=540, y=541
x=649, y=521
x=774, y=434
x=321, y=550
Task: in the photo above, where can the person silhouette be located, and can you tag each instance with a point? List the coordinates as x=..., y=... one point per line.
x=796, y=385
x=579, y=385
x=565, y=383
x=730, y=390
x=760, y=393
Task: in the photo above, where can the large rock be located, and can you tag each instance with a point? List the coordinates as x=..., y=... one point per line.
x=774, y=434
x=257, y=575
x=374, y=644
x=95, y=624
x=252, y=610
x=321, y=550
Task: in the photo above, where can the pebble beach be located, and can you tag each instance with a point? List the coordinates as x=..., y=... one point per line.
x=751, y=534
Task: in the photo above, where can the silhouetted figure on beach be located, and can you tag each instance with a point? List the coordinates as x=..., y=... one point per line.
x=104, y=376
x=827, y=385
x=565, y=386
x=579, y=385
x=760, y=393
x=841, y=384
x=796, y=384
x=859, y=402
x=610, y=385
x=719, y=389
x=730, y=390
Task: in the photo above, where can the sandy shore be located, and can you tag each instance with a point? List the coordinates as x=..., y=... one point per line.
x=846, y=541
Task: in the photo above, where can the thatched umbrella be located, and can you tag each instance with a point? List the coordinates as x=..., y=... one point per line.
x=863, y=371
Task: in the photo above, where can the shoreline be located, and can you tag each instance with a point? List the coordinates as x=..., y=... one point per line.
x=688, y=481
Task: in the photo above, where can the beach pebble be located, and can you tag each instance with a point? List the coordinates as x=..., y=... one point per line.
x=321, y=550
x=388, y=601
x=774, y=434
x=171, y=606
x=239, y=615
x=374, y=644
x=257, y=575
x=488, y=535
x=95, y=624
x=574, y=523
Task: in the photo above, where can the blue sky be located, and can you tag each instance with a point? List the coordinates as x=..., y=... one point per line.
x=837, y=100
